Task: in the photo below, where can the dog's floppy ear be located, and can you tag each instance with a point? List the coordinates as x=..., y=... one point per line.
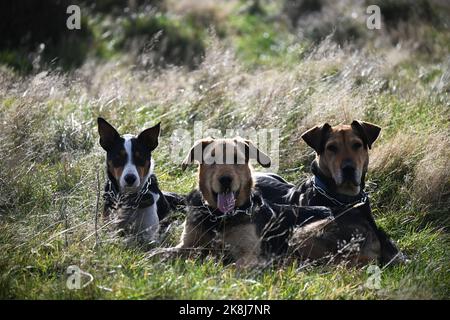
x=108, y=135
x=196, y=152
x=316, y=137
x=149, y=137
x=369, y=132
x=252, y=152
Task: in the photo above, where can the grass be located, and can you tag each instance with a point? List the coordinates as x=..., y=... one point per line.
x=50, y=157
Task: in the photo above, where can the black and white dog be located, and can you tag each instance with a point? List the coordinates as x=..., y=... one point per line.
x=132, y=195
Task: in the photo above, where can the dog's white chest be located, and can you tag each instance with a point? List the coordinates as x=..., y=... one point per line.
x=147, y=220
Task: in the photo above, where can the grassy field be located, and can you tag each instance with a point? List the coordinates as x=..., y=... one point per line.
x=256, y=67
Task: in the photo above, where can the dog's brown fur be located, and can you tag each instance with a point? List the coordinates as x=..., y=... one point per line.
x=242, y=239
x=347, y=240
x=341, y=145
x=338, y=147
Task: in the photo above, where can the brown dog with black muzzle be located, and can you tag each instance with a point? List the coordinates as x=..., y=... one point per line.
x=342, y=155
x=227, y=209
x=339, y=170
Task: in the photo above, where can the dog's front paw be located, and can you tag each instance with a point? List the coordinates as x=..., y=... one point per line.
x=171, y=252
x=248, y=262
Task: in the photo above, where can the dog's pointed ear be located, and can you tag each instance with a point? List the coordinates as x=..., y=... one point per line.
x=252, y=152
x=149, y=137
x=369, y=132
x=316, y=137
x=196, y=153
x=108, y=135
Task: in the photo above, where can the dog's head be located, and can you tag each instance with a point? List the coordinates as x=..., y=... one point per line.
x=225, y=175
x=128, y=158
x=342, y=152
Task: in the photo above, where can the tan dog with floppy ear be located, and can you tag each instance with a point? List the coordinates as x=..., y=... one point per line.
x=339, y=171
x=222, y=203
x=225, y=173
x=338, y=180
x=342, y=153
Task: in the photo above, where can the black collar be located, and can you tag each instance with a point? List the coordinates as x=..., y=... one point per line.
x=327, y=188
x=141, y=199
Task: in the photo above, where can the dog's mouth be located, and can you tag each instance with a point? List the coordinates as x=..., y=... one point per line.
x=130, y=189
x=127, y=189
x=348, y=179
x=226, y=201
x=350, y=183
x=349, y=186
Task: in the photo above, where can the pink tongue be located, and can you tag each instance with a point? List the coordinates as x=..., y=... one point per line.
x=225, y=202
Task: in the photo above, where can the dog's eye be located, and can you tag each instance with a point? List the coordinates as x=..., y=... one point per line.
x=356, y=145
x=332, y=148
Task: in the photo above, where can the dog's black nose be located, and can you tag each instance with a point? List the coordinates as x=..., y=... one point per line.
x=225, y=181
x=130, y=179
x=348, y=168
